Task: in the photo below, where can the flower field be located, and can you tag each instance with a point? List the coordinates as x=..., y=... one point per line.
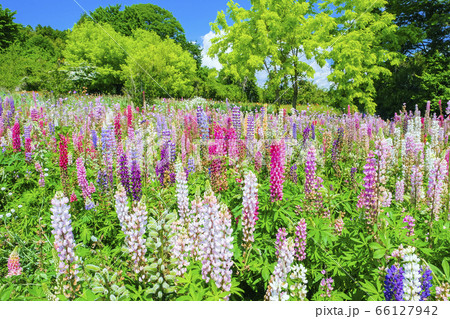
x=199, y=200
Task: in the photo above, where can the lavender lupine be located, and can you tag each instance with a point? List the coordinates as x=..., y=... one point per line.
x=300, y=239
x=367, y=199
x=277, y=155
x=182, y=191
x=14, y=268
x=327, y=285
x=416, y=183
x=436, y=182
x=237, y=120
x=399, y=190
x=64, y=240
x=250, y=208
x=278, y=287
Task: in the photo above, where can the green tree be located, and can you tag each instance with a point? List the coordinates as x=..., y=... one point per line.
x=9, y=30
x=158, y=67
x=274, y=36
x=148, y=17
x=94, y=55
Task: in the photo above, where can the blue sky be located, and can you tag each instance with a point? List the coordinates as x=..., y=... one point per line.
x=194, y=16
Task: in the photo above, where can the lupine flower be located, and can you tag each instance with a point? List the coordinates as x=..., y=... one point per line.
x=393, y=284
x=277, y=290
x=327, y=286
x=64, y=240
x=82, y=182
x=237, y=120
x=182, y=191
x=436, y=181
x=63, y=157
x=300, y=240
x=16, y=136
x=123, y=173
x=136, y=180
x=298, y=275
x=425, y=283
x=411, y=276
x=14, y=268
x=367, y=198
x=410, y=225
x=73, y=197
x=399, y=190
x=250, y=208
x=277, y=154
x=338, y=226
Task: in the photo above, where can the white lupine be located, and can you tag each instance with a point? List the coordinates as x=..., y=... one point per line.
x=182, y=245
x=298, y=289
x=278, y=286
x=411, y=276
x=250, y=207
x=64, y=240
x=182, y=191
x=436, y=183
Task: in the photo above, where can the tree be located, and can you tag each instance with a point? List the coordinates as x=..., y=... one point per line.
x=158, y=67
x=90, y=48
x=274, y=36
x=9, y=30
x=147, y=17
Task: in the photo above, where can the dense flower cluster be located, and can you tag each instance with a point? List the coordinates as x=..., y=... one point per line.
x=367, y=199
x=250, y=208
x=277, y=153
x=14, y=268
x=300, y=240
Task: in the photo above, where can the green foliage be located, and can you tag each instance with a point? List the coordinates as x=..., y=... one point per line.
x=152, y=60
x=93, y=57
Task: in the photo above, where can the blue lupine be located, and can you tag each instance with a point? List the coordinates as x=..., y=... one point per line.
x=94, y=138
x=426, y=283
x=393, y=284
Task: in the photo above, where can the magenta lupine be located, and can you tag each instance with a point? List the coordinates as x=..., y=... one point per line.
x=16, y=136
x=28, y=152
x=278, y=287
x=277, y=153
x=14, y=268
x=436, y=182
x=300, y=239
x=409, y=220
x=399, y=190
x=182, y=192
x=250, y=208
x=367, y=199
x=64, y=240
x=310, y=173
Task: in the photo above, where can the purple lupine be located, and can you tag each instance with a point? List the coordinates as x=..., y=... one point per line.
x=409, y=220
x=294, y=176
x=367, y=198
x=327, y=286
x=312, y=182
x=294, y=131
x=172, y=147
x=416, y=183
x=249, y=208
x=136, y=181
x=277, y=155
x=82, y=182
x=393, y=284
x=313, y=132
x=425, y=283
x=250, y=127
x=64, y=240
x=306, y=133
x=123, y=173
x=300, y=240
x=337, y=145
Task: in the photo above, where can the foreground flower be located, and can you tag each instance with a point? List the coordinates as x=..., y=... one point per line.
x=277, y=154
x=14, y=268
x=250, y=208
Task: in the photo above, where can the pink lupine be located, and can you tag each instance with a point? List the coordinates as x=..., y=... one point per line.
x=250, y=208
x=16, y=136
x=338, y=226
x=277, y=154
x=130, y=116
x=82, y=182
x=73, y=197
x=300, y=240
x=14, y=268
x=327, y=285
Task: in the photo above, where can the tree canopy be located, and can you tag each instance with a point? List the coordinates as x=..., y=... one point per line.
x=9, y=30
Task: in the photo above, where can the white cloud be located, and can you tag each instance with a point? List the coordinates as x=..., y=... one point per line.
x=206, y=60
x=320, y=75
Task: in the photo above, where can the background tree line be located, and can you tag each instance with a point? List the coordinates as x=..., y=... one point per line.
x=381, y=54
